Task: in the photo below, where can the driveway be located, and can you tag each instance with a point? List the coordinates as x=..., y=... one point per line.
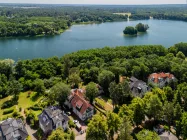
x=31, y=132
x=81, y=137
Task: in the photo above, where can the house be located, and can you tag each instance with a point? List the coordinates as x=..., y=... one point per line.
x=168, y=136
x=161, y=79
x=13, y=129
x=138, y=87
x=52, y=118
x=79, y=105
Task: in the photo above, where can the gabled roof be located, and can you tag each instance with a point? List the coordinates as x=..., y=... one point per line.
x=51, y=115
x=78, y=101
x=13, y=128
x=157, y=76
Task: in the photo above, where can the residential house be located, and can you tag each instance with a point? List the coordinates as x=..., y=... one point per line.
x=138, y=87
x=52, y=118
x=161, y=79
x=79, y=105
x=13, y=129
x=168, y=136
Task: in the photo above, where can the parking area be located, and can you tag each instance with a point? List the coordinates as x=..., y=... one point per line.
x=78, y=121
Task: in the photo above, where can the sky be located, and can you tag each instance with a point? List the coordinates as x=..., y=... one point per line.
x=124, y=2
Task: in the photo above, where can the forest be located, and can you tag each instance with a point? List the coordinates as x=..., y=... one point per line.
x=37, y=20
x=104, y=66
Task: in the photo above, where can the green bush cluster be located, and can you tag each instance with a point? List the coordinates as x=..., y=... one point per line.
x=8, y=111
x=71, y=124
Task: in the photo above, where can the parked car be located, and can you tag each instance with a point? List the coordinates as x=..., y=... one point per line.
x=81, y=132
x=68, y=113
x=75, y=121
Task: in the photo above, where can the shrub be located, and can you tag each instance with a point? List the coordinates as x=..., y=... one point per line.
x=71, y=124
x=35, y=108
x=7, y=104
x=15, y=114
x=8, y=111
x=20, y=109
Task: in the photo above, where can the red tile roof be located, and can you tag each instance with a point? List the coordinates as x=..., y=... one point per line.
x=156, y=76
x=79, y=101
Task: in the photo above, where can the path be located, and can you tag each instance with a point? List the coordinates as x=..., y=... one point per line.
x=31, y=132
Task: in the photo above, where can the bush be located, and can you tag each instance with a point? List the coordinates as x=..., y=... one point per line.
x=20, y=109
x=35, y=108
x=15, y=114
x=8, y=111
x=71, y=124
x=7, y=104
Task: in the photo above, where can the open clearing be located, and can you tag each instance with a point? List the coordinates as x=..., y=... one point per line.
x=24, y=102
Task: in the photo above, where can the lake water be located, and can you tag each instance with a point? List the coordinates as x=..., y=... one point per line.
x=78, y=37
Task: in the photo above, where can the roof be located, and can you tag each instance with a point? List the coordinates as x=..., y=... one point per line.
x=13, y=128
x=78, y=101
x=168, y=136
x=51, y=115
x=157, y=76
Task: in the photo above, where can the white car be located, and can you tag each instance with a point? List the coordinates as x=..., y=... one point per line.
x=75, y=121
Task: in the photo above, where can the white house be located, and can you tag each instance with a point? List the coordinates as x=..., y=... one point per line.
x=79, y=105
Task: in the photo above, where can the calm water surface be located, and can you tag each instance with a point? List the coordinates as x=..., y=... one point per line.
x=78, y=37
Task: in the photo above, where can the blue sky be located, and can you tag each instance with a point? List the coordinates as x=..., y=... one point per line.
x=97, y=1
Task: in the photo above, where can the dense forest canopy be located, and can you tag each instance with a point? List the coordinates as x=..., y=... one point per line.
x=33, y=19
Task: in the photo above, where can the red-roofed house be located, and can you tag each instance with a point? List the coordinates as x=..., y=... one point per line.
x=81, y=107
x=160, y=79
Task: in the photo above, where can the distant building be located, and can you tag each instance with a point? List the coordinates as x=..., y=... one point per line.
x=79, y=104
x=138, y=87
x=161, y=79
x=13, y=129
x=52, y=118
x=168, y=136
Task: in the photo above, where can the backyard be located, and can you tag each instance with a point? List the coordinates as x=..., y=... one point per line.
x=26, y=100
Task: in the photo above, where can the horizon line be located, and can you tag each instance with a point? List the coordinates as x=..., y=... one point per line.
x=93, y=4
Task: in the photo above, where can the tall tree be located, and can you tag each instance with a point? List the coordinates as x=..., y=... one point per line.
x=125, y=130
x=39, y=86
x=137, y=107
x=14, y=88
x=154, y=107
x=168, y=111
x=91, y=91
x=57, y=134
x=59, y=93
x=105, y=78
x=97, y=128
x=74, y=79
x=184, y=125
x=113, y=122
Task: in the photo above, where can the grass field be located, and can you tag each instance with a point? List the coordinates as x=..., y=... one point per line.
x=106, y=102
x=23, y=102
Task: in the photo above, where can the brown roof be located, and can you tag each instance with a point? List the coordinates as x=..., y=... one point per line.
x=156, y=76
x=79, y=102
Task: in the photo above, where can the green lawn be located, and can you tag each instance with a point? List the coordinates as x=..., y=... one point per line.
x=106, y=102
x=23, y=102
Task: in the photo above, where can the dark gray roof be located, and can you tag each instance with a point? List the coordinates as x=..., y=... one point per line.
x=50, y=116
x=136, y=85
x=12, y=128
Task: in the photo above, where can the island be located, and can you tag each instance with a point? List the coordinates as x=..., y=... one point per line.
x=130, y=30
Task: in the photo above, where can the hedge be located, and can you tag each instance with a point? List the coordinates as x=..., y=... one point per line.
x=8, y=111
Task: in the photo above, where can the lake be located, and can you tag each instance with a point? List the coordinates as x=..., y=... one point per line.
x=79, y=37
